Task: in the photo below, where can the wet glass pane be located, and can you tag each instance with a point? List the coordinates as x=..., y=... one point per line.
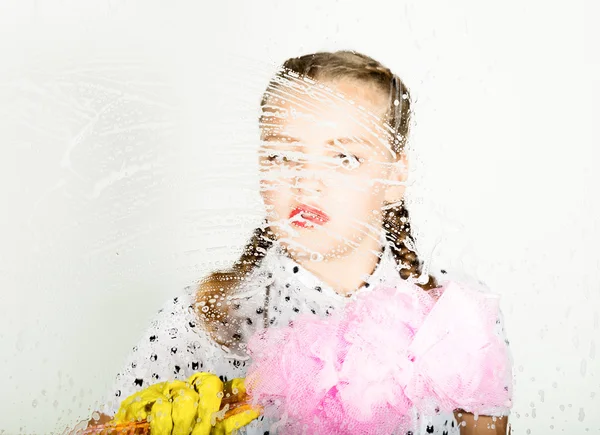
x=310, y=217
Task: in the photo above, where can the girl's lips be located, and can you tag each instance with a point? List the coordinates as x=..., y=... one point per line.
x=310, y=214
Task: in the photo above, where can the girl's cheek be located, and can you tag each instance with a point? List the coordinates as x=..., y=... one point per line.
x=273, y=185
x=358, y=181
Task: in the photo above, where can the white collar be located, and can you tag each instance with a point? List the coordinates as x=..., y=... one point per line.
x=285, y=268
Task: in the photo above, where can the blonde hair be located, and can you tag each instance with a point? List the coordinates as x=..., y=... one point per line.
x=325, y=67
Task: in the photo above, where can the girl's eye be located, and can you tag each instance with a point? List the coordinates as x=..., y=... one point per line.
x=349, y=161
x=277, y=157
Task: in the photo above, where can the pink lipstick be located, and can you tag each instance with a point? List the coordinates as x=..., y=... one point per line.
x=308, y=213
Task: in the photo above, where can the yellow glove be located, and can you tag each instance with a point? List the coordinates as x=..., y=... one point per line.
x=179, y=407
x=237, y=412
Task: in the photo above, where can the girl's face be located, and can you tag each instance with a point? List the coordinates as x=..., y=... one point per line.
x=325, y=168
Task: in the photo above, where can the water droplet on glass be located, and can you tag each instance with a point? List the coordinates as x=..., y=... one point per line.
x=316, y=256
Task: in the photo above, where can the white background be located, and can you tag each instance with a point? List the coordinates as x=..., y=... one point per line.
x=127, y=171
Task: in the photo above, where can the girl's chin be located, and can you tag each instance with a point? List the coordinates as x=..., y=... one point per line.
x=313, y=245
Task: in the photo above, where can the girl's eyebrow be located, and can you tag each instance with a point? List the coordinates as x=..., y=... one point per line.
x=280, y=137
x=332, y=142
x=350, y=140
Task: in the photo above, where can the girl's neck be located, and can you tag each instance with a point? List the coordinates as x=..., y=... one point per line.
x=347, y=273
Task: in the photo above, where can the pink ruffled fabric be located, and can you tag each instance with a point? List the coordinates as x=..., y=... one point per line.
x=362, y=370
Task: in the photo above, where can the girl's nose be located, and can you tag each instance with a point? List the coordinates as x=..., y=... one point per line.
x=309, y=178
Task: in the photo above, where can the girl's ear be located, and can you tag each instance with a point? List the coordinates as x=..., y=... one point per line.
x=398, y=176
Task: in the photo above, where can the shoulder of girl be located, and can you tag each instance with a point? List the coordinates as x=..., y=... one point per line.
x=465, y=280
x=179, y=302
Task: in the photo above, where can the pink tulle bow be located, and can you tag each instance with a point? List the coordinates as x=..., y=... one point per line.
x=459, y=360
x=362, y=370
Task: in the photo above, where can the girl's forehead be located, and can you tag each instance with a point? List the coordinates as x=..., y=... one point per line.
x=314, y=113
